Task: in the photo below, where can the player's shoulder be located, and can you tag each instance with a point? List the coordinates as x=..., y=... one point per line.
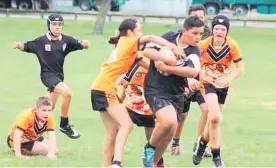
x=231, y=42
x=206, y=42
x=27, y=114
x=66, y=37
x=170, y=35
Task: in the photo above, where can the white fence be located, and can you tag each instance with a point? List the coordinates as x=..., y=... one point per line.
x=265, y=21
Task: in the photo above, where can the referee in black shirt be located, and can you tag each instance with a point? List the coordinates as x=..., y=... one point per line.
x=51, y=50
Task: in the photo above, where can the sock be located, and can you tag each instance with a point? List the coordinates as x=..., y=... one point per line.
x=116, y=162
x=112, y=158
x=63, y=121
x=203, y=142
x=175, y=142
x=161, y=161
x=215, y=152
x=148, y=145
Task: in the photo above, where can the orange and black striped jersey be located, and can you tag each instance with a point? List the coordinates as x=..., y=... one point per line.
x=27, y=122
x=121, y=60
x=133, y=83
x=216, y=62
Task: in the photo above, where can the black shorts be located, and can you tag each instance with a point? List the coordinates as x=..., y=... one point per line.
x=100, y=100
x=159, y=101
x=51, y=82
x=141, y=120
x=221, y=92
x=25, y=146
x=193, y=97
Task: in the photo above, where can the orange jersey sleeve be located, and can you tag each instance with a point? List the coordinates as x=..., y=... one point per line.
x=216, y=62
x=235, y=52
x=23, y=121
x=120, y=61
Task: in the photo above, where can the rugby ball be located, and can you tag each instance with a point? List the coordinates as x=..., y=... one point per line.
x=166, y=52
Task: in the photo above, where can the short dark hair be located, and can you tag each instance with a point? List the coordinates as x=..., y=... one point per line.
x=196, y=7
x=192, y=21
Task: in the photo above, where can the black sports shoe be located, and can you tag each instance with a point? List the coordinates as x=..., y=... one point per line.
x=218, y=162
x=198, y=151
x=69, y=131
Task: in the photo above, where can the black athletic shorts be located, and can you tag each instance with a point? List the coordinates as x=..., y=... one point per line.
x=193, y=97
x=158, y=101
x=100, y=100
x=221, y=92
x=51, y=82
x=141, y=120
x=25, y=146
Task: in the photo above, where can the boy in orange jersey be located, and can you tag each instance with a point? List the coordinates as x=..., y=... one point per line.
x=104, y=97
x=25, y=137
x=217, y=54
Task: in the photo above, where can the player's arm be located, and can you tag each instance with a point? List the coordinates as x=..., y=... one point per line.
x=163, y=42
x=123, y=95
x=17, y=137
x=144, y=64
x=154, y=54
x=238, y=71
x=85, y=44
x=52, y=144
x=29, y=46
x=18, y=45
x=177, y=70
x=75, y=44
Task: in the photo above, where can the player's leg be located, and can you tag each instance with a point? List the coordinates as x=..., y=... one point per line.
x=111, y=128
x=162, y=134
x=211, y=99
x=119, y=114
x=62, y=89
x=175, y=147
x=203, y=121
x=54, y=97
x=56, y=87
x=217, y=161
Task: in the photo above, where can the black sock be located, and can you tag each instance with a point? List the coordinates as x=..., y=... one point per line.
x=116, y=162
x=215, y=152
x=203, y=142
x=148, y=145
x=161, y=161
x=63, y=121
x=175, y=142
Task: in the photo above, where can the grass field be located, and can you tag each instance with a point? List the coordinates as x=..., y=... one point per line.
x=249, y=129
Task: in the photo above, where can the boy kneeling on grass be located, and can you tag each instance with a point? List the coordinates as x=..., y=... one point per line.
x=25, y=137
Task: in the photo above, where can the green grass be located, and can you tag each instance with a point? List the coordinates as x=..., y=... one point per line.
x=249, y=129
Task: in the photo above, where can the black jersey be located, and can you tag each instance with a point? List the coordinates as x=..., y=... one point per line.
x=51, y=53
x=172, y=84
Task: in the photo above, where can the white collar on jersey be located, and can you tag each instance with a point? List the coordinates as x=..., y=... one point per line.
x=50, y=38
x=177, y=42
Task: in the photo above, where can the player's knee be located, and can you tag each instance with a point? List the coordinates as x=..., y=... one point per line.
x=111, y=136
x=169, y=124
x=67, y=94
x=215, y=119
x=129, y=126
